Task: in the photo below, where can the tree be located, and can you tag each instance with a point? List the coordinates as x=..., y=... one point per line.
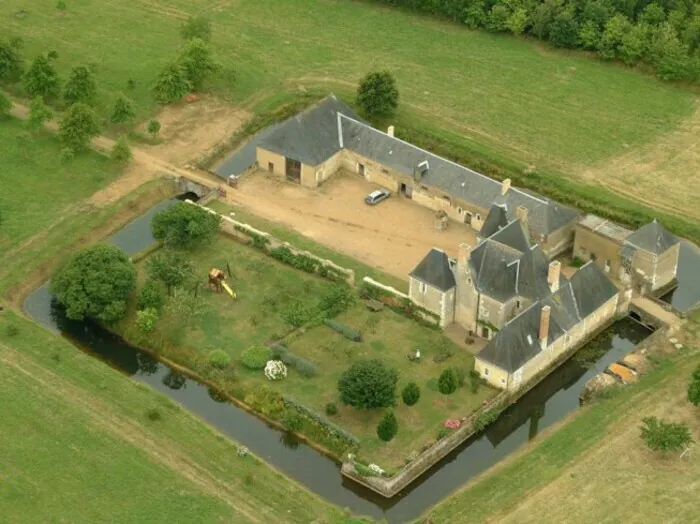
x=196, y=27
x=694, y=388
x=171, y=268
x=123, y=110
x=120, y=151
x=95, y=284
x=368, y=384
x=78, y=126
x=589, y=35
x=39, y=113
x=150, y=296
x=563, y=30
x=668, y=54
x=197, y=62
x=146, y=319
x=185, y=226
x=171, y=84
x=153, y=128
x=388, y=427
x=41, y=79
x=377, y=94
x=659, y=435
x=615, y=29
x=498, y=18
x=410, y=394
x=448, y=381
x=81, y=86
x=634, y=44
x=11, y=65
x=5, y=105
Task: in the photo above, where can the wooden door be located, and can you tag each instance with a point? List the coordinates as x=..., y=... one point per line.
x=293, y=170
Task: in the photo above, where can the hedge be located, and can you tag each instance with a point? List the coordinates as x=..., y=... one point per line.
x=333, y=429
x=303, y=366
x=346, y=331
x=402, y=306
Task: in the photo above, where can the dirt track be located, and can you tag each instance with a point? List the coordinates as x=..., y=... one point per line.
x=392, y=236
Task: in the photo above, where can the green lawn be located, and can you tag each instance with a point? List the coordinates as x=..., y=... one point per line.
x=37, y=189
x=559, y=109
x=266, y=291
x=77, y=446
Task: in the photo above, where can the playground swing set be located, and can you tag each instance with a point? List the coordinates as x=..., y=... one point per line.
x=217, y=280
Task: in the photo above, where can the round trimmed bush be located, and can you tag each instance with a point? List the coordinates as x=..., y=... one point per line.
x=448, y=381
x=256, y=357
x=331, y=409
x=410, y=394
x=219, y=359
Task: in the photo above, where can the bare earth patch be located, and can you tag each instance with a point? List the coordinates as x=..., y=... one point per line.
x=662, y=174
x=392, y=236
x=189, y=130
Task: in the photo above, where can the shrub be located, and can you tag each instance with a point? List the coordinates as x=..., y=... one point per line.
x=368, y=384
x=266, y=401
x=121, y=152
x=296, y=260
x=474, y=381
x=185, y=226
x=11, y=331
x=331, y=409
x=448, y=381
x=292, y=421
x=147, y=319
x=255, y=357
x=303, y=366
x=219, y=359
x=338, y=298
x=485, y=419
x=332, y=429
x=410, y=394
x=659, y=435
x=388, y=427
x=377, y=94
x=151, y=296
x=694, y=388
x=275, y=370
x=347, y=332
x=153, y=414
x=442, y=433
x=297, y=314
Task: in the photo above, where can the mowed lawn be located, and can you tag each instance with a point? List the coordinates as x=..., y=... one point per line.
x=77, y=446
x=595, y=467
x=37, y=189
x=266, y=291
x=528, y=101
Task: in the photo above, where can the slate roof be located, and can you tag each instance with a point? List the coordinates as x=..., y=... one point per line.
x=544, y=216
x=435, y=271
x=312, y=136
x=519, y=342
x=513, y=235
x=652, y=237
x=495, y=220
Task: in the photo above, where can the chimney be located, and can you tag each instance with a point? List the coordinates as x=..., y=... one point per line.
x=553, y=275
x=544, y=326
x=521, y=214
x=505, y=186
x=390, y=131
x=464, y=253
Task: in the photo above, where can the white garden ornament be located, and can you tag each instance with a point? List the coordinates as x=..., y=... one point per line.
x=376, y=469
x=275, y=370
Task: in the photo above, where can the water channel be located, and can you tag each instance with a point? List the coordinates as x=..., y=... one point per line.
x=549, y=402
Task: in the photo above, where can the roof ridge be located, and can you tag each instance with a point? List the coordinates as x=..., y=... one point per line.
x=514, y=189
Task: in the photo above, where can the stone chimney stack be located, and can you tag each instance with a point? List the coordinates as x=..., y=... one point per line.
x=464, y=253
x=553, y=275
x=505, y=186
x=390, y=131
x=544, y=326
x=521, y=214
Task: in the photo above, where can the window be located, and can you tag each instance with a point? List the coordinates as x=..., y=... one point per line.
x=469, y=280
x=422, y=288
x=478, y=216
x=607, y=266
x=503, y=381
x=517, y=303
x=271, y=167
x=385, y=171
x=486, y=372
x=460, y=210
x=447, y=199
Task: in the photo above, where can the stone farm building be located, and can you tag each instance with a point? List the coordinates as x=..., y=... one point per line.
x=506, y=289
x=312, y=146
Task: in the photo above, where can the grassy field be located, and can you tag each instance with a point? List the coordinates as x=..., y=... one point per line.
x=594, y=467
x=79, y=447
x=545, y=108
x=37, y=189
x=266, y=292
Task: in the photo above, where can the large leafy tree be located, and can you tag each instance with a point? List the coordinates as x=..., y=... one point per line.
x=172, y=84
x=95, y=284
x=170, y=267
x=38, y=114
x=368, y=384
x=660, y=435
x=81, y=86
x=11, y=65
x=377, y=94
x=78, y=126
x=123, y=111
x=41, y=78
x=197, y=62
x=185, y=226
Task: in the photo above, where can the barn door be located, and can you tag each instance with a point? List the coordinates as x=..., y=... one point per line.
x=293, y=170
